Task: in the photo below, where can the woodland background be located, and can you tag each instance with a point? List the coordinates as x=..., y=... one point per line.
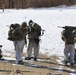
x=18, y=4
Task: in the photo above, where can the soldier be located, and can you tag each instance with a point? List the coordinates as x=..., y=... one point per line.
x=19, y=34
x=1, y=53
x=68, y=38
x=34, y=33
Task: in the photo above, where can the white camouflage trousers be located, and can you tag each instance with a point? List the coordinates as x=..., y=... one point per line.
x=32, y=46
x=19, y=45
x=69, y=49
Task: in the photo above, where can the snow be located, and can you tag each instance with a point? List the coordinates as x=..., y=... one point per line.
x=48, y=18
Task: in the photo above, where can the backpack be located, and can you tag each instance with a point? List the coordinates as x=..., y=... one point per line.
x=11, y=29
x=68, y=36
x=37, y=28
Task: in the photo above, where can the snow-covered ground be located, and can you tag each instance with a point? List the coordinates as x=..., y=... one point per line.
x=48, y=18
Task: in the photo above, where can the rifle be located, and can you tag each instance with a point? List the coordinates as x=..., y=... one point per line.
x=68, y=27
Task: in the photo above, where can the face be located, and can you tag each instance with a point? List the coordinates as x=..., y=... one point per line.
x=23, y=28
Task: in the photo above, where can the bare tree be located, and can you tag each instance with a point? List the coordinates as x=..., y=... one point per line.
x=3, y=5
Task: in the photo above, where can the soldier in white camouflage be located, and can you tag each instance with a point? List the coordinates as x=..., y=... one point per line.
x=69, y=50
x=20, y=35
x=34, y=33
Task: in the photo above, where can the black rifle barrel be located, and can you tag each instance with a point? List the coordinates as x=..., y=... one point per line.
x=68, y=27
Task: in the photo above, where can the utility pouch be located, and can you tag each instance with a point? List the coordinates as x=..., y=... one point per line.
x=37, y=41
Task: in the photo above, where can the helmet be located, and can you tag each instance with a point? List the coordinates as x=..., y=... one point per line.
x=30, y=22
x=24, y=24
